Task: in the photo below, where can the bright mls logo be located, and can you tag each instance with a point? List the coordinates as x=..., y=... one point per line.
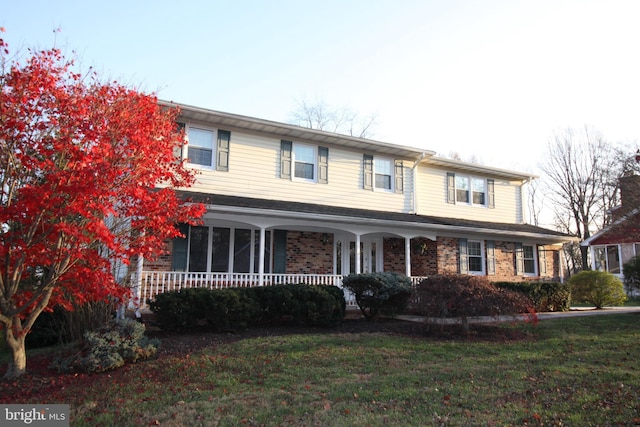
x=37, y=415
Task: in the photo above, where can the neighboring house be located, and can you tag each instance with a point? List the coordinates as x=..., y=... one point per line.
x=287, y=204
x=613, y=246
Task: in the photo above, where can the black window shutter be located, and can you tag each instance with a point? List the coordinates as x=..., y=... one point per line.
x=224, y=138
x=491, y=197
x=399, y=176
x=178, y=149
x=180, y=249
x=451, y=187
x=285, y=159
x=491, y=257
x=464, y=257
x=367, y=163
x=323, y=165
x=542, y=261
x=519, y=259
x=280, y=251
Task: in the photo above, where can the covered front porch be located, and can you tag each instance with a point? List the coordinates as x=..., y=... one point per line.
x=243, y=247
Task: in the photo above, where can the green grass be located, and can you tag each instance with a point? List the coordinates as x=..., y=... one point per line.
x=571, y=372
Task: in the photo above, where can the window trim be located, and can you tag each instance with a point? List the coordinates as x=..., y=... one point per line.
x=452, y=190
x=221, y=141
x=314, y=148
x=369, y=174
x=482, y=257
x=463, y=250
x=213, y=147
x=520, y=259
x=377, y=161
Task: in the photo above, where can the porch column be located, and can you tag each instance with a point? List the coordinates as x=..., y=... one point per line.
x=407, y=256
x=261, y=258
x=358, y=254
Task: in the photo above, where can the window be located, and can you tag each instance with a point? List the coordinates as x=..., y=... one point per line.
x=475, y=257
x=301, y=162
x=304, y=160
x=529, y=259
x=208, y=148
x=471, y=256
x=382, y=174
x=526, y=263
x=464, y=189
x=200, y=148
x=607, y=258
x=219, y=250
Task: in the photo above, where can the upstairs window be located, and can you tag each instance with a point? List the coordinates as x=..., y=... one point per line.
x=382, y=174
x=302, y=162
x=208, y=148
x=200, y=148
x=468, y=190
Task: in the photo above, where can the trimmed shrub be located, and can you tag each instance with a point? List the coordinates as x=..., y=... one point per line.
x=219, y=310
x=304, y=305
x=546, y=296
x=599, y=288
x=387, y=292
x=462, y=296
x=631, y=271
x=237, y=308
x=110, y=347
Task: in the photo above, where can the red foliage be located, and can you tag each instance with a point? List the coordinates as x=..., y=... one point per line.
x=88, y=175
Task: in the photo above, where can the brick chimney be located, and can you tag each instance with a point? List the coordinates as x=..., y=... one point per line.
x=629, y=195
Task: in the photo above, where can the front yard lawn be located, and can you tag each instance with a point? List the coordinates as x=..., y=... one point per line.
x=571, y=372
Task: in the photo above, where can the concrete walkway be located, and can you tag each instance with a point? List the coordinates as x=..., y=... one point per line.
x=573, y=312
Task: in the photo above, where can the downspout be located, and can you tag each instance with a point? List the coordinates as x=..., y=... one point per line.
x=415, y=182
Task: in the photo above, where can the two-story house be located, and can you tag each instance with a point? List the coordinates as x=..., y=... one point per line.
x=287, y=204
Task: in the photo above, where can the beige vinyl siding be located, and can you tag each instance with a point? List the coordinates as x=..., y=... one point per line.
x=432, y=198
x=254, y=171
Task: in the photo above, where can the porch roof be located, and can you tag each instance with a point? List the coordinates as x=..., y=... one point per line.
x=432, y=223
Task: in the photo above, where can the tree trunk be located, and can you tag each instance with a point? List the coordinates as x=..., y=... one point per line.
x=14, y=338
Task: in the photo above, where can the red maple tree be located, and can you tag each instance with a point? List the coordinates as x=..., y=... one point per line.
x=88, y=177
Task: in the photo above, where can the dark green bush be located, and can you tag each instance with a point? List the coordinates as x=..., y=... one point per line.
x=305, y=305
x=599, y=288
x=546, y=296
x=110, y=347
x=201, y=308
x=631, y=271
x=236, y=308
x=462, y=296
x=387, y=292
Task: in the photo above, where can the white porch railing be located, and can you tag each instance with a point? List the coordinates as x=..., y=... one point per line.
x=153, y=283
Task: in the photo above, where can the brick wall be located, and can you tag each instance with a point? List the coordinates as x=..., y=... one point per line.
x=447, y=258
x=308, y=254
x=161, y=263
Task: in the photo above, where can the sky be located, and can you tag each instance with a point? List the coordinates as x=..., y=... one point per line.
x=487, y=79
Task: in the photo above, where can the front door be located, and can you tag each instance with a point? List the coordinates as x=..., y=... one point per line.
x=370, y=255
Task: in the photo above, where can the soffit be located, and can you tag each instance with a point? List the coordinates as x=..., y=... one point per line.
x=479, y=169
x=292, y=132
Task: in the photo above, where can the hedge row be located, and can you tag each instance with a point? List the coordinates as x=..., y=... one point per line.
x=546, y=296
x=238, y=308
